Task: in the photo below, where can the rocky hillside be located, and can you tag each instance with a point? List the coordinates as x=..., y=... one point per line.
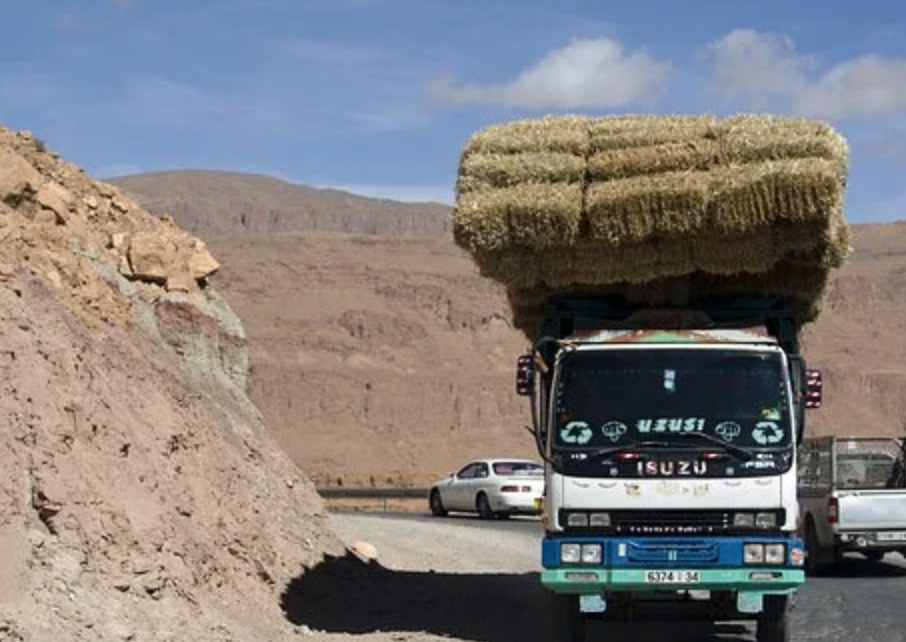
x=141, y=497
x=228, y=202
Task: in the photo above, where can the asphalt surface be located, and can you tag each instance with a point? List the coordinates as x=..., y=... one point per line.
x=855, y=600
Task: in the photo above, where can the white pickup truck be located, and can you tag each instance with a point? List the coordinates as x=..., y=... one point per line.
x=852, y=497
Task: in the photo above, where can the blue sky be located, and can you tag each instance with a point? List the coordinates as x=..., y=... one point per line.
x=378, y=96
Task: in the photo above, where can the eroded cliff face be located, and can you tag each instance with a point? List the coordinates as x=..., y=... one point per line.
x=141, y=497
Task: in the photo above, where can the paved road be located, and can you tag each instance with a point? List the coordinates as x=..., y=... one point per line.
x=858, y=600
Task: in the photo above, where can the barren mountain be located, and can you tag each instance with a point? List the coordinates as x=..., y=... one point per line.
x=379, y=359
x=228, y=202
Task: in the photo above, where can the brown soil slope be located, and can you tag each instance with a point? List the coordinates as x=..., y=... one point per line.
x=380, y=359
x=141, y=497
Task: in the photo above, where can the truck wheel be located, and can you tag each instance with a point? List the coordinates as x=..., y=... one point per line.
x=774, y=620
x=568, y=621
x=483, y=506
x=437, y=504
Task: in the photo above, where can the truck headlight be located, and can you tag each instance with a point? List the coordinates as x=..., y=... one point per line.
x=599, y=519
x=766, y=520
x=744, y=520
x=570, y=553
x=591, y=553
x=775, y=554
x=753, y=553
x=577, y=520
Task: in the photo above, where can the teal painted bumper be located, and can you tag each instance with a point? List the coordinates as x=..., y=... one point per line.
x=579, y=581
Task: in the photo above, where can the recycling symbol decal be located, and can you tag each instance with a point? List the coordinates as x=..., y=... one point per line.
x=767, y=433
x=576, y=432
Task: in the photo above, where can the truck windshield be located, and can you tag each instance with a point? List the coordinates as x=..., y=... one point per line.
x=614, y=398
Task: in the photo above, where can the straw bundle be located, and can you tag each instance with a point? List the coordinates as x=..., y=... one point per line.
x=647, y=204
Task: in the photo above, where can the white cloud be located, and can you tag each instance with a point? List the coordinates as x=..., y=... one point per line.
x=761, y=69
x=586, y=74
x=754, y=67
x=865, y=86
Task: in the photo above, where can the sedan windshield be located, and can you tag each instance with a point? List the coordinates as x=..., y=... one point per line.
x=614, y=398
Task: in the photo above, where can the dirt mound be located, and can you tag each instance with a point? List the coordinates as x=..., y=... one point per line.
x=140, y=495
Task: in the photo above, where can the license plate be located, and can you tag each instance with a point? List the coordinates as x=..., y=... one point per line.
x=892, y=536
x=672, y=577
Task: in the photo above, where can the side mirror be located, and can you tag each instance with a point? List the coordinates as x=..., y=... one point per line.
x=525, y=375
x=814, y=389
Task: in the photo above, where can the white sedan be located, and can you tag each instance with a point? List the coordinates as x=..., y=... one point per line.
x=491, y=488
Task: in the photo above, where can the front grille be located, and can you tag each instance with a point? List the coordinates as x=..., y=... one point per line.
x=667, y=522
x=667, y=553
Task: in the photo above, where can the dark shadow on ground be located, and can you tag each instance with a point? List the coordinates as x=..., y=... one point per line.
x=856, y=566
x=346, y=595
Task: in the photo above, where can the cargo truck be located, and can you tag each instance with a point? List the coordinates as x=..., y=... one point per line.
x=669, y=439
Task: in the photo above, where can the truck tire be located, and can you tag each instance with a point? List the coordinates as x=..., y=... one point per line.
x=437, y=504
x=568, y=622
x=774, y=620
x=814, y=563
x=483, y=506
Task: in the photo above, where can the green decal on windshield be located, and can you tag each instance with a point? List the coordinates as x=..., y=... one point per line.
x=576, y=432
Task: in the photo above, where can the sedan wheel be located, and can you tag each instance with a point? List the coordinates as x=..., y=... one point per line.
x=484, y=506
x=437, y=504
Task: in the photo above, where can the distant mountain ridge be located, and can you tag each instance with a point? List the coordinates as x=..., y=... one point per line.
x=218, y=202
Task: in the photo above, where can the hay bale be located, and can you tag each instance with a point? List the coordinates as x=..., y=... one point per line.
x=626, y=132
x=655, y=208
x=486, y=171
x=759, y=138
x=559, y=134
x=534, y=216
x=653, y=159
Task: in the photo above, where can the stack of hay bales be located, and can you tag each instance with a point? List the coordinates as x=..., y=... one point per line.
x=659, y=210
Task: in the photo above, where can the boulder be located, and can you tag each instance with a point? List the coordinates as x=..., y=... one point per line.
x=152, y=256
x=17, y=177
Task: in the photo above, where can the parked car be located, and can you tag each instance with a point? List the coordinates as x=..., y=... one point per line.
x=491, y=488
x=852, y=497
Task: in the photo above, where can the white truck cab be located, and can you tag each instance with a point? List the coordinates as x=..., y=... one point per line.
x=670, y=462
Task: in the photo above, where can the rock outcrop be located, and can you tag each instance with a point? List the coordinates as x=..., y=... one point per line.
x=141, y=497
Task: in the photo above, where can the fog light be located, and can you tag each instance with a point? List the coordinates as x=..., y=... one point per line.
x=570, y=553
x=744, y=520
x=591, y=553
x=861, y=542
x=775, y=554
x=753, y=553
x=599, y=519
x=766, y=520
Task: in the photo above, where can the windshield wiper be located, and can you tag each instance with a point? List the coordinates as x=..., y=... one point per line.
x=616, y=450
x=736, y=451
